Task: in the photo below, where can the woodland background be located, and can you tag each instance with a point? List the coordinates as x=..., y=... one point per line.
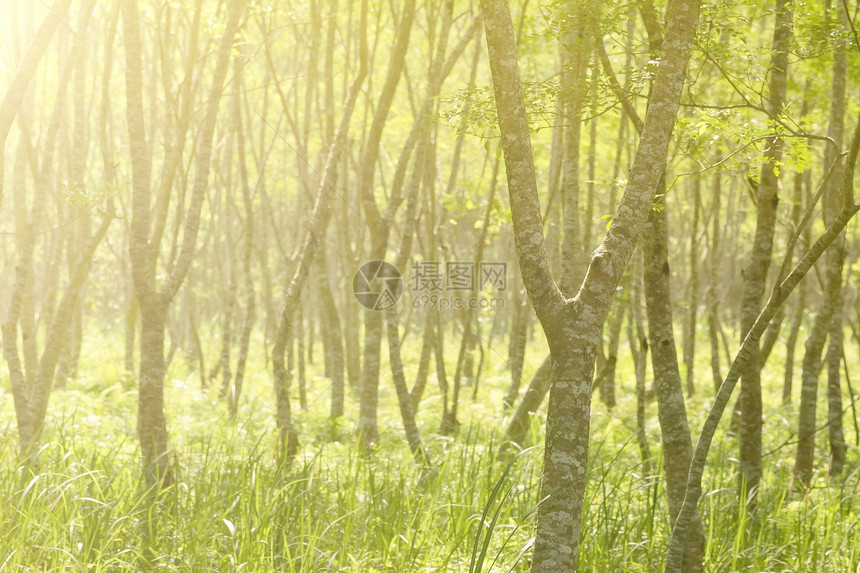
x=187, y=190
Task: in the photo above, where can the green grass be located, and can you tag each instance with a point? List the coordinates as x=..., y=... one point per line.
x=234, y=508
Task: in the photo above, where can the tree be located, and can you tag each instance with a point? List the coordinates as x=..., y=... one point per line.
x=755, y=274
x=17, y=89
x=572, y=326
x=785, y=284
x=144, y=243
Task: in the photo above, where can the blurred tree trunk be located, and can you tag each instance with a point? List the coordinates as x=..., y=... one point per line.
x=249, y=314
x=331, y=334
x=829, y=318
x=144, y=246
x=17, y=90
x=714, y=282
x=517, y=344
x=834, y=201
x=450, y=425
x=693, y=292
x=799, y=310
x=638, y=341
x=519, y=424
x=423, y=362
x=31, y=399
x=379, y=224
x=313, y=236
x=605, y=379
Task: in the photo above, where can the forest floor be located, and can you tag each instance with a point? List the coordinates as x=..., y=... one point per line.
x=234, y=507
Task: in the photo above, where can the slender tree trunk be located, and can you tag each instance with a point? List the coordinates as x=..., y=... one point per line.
x=828, y=319
x=227, y=340
x=517, y=346
x=333, y=337
x=693, y=300
x=606, y=372
x=313, y=237
x=379, y=223
x=755, y=274
x=639, y=349
x=836, y=435
x=672, y=412
x=799, y=309
x=423, y=362
x=518, y=427
x=300, y=356
x=713, y=297
x=407, y=414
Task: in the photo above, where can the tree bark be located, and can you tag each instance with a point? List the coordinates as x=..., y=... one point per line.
x=155, y=303
x=755, y=274
x=672, y=412
x=573, y=325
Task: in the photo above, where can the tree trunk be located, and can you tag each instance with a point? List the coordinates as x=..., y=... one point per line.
x=155, y=303
x=672, y=412
x=828, y=320
x=333, y=339
x=517, y=347
x=518, y=427
x=573, y=325
x=713, y=297
x=151, y=423
x=693, y=300
x=17, y=90
x=639, y=349
x=755, y=274
x=314, y=234
x=799, y=309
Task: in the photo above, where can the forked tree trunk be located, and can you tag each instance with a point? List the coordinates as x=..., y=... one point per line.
x=143, y=249
x=31, y=397
x=573, y=325
x=379, y=224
